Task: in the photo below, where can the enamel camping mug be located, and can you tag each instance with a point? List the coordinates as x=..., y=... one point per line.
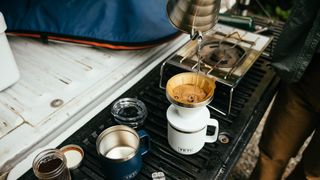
x=120, y=151
x=187, y=132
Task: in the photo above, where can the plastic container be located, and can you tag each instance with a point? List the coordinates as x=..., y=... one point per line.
x=9, y=73
x=129, y=111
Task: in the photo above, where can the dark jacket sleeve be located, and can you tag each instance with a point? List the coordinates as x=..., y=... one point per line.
x=299, y=40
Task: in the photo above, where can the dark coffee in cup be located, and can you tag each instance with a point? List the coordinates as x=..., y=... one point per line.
x=51, y=164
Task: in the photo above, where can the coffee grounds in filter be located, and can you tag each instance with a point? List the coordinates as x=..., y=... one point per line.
x=188, y=93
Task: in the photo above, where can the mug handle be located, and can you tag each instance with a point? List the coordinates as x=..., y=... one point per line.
x=146, y=146
x=214, y=137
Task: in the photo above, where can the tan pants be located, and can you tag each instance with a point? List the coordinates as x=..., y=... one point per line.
x=294, y=116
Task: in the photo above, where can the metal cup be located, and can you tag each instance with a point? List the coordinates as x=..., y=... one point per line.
x=120, y=151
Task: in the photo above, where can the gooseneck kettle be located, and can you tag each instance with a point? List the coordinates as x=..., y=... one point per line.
x=193, y=16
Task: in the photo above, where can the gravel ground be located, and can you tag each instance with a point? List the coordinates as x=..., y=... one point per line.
x=248, y=159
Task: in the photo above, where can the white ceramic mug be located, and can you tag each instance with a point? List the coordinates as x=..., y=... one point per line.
x=187, y=132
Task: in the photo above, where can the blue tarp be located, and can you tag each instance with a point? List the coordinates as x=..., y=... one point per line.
x=113, y=21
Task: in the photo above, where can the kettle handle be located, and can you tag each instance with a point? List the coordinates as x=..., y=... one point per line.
x=214, y=137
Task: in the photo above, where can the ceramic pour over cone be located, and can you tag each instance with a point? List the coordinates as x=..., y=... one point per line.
x=190, y=90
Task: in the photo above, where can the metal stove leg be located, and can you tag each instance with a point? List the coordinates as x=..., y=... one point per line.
x=215, y=109
x=161, y=74
x=230, y=100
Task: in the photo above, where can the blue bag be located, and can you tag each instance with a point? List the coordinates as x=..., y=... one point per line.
x=116, y=24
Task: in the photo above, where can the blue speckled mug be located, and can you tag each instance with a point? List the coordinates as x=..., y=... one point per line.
x=120, y=150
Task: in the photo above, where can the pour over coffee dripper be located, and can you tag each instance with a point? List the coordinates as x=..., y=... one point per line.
x=188, y=117
x=195, y=82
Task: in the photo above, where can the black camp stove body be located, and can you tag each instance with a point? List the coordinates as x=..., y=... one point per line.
x=215, y=160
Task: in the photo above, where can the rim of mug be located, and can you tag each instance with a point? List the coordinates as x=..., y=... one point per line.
x=111, y=130
x=185, y=132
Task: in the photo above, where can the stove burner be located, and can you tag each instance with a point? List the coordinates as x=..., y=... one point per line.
x=224, y=55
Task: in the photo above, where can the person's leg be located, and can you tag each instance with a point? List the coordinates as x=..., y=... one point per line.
x=309, y=166
x=290, y=122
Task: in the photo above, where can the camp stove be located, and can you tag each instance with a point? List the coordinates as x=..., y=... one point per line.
x=226, y=54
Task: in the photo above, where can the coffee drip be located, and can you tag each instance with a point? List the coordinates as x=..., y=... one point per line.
x=188, y=116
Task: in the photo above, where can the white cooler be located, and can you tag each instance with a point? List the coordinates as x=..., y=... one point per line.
x=9, y=73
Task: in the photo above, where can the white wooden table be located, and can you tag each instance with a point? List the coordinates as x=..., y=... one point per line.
x=62, y=87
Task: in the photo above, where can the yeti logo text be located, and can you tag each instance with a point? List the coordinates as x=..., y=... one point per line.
x=132, y=175
x=185, y=150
